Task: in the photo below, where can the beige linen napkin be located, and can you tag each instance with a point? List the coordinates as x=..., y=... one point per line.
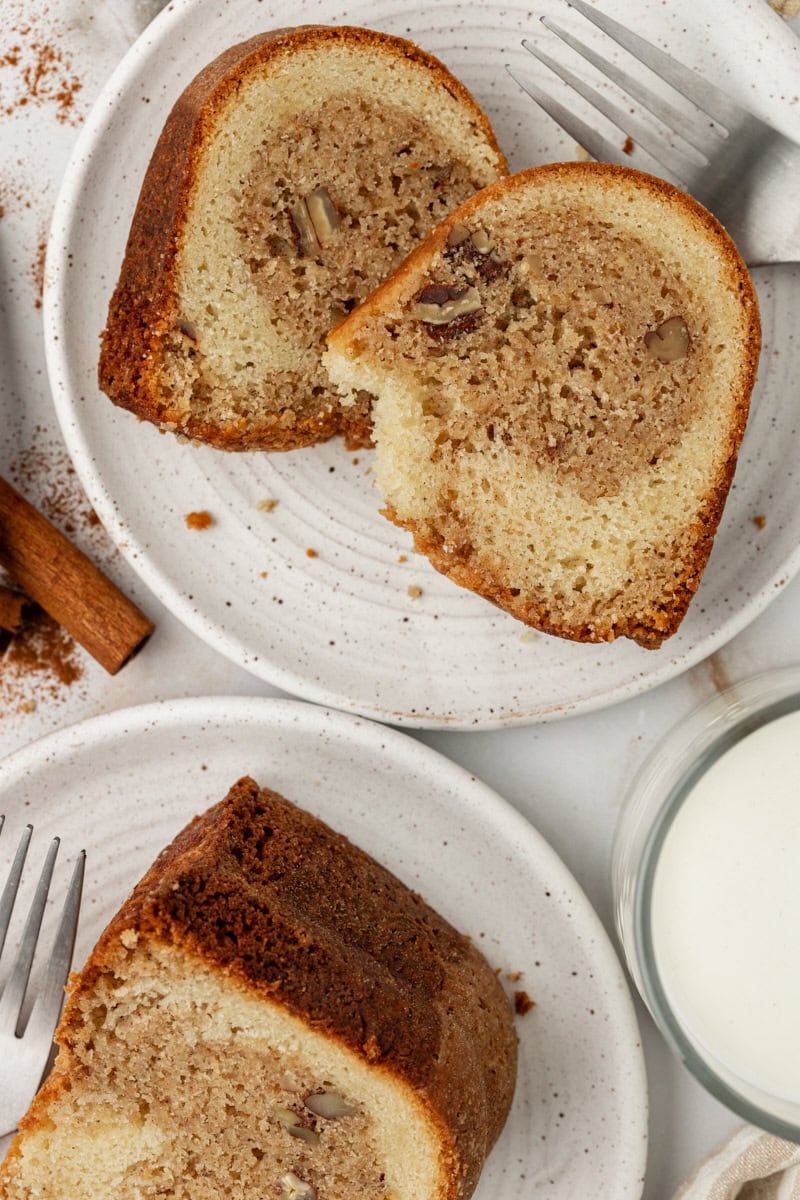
x=750, y=1166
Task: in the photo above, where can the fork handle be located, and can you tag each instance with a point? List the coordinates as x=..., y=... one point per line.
x=761, y=212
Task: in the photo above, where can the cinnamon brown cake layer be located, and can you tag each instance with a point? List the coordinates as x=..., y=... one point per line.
x=271, y=1014
x=563, y=373
x=293, y=174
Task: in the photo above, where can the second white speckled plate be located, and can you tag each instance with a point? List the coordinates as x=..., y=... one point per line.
x=122, y=785
x=355, y=626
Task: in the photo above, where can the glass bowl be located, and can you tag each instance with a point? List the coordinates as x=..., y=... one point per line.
x=706, y=883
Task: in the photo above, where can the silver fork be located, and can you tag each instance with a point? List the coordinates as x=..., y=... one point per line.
x=746, y=173
x=25, y=1053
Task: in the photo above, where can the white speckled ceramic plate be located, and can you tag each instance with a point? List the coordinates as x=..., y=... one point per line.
x=123, y=784
x=347, y=627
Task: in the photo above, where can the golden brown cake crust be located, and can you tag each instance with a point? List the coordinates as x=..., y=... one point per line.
x=143, y=313
x=359, y=958
x=662, y=617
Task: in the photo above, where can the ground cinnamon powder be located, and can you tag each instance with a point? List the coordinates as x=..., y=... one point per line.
x=44, y=473
x=35, y=69
x=14, y=190
x=38, y=663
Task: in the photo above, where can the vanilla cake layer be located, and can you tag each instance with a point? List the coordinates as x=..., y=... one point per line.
x=183, y=1085
x=271, y=1014
x=227, y=292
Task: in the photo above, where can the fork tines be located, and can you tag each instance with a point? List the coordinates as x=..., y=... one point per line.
x=47, y=1006
x=697, y=139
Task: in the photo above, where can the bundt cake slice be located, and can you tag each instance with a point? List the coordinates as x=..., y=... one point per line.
x=563, y=372
x=271, y=1016
x=293, y=174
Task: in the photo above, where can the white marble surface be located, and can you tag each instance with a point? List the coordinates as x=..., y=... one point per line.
x=568, y=778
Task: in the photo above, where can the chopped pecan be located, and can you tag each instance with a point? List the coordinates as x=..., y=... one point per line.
x=434, y=295
x=480, y=240
x=670, y=341
x=489, y=266
x=447, y=311
x=329, y=1105
x=458, y=234
x=530, y=264
x=187, y=328
x=292, y=1187
x=323, y=213
x=315, y=220
x=294, y=1125
x=474, y=248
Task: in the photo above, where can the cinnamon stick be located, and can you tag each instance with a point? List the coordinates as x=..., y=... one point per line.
x=14, y=609
x=68, y=585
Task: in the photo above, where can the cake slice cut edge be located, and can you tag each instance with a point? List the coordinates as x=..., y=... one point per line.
x=563, y=373
x=255, y=1022
x=293, y=173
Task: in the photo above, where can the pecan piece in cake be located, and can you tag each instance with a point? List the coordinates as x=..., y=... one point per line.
x=292, y=1187
x=670, y=341
x=294, y=1124
x=447, y=311
x=314, y=219
x=329, y=1105
x=475, y=249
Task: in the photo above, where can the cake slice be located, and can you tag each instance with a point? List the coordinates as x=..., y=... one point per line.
x=563, y=373
x=293, y=174
x=271, y=1016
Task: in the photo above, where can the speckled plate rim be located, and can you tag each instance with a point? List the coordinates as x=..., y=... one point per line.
x=165, y=587
x=445, y=796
